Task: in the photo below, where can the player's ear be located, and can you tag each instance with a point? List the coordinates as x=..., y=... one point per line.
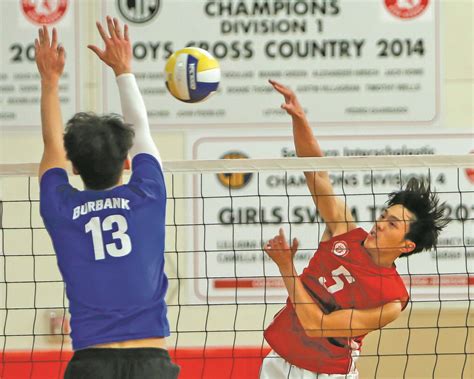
x=127, y=164
x=408, y=247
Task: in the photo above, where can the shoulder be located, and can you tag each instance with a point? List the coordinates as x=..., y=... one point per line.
x=354, y=235
x=147, y=177
x=397, y=287
x=147, y=166
x=54, y=187
x=54, y=176
x=53, y=183
x=340, y=229
x=145, y=158
x=342, y=245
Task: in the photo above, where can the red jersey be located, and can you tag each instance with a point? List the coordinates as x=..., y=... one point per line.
x=340, y=275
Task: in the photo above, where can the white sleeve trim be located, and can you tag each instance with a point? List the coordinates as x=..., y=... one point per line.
x=134, y=113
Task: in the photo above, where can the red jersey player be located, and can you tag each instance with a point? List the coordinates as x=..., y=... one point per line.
x=350, y=286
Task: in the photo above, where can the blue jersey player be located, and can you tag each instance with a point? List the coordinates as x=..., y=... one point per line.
x=109, y=238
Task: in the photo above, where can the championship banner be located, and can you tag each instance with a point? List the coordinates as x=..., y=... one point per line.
x=360, y=61
x=235, y=214
x=20, y=83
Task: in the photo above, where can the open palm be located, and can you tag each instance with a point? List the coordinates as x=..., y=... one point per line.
x=291, y=105
x=49, y=55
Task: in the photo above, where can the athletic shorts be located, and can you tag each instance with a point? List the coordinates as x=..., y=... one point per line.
x=275, y=367
x=137, y=363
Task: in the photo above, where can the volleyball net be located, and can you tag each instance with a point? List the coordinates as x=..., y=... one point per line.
x=224, y=291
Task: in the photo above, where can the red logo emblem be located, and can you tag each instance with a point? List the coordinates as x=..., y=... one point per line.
x=406, y=8
x=340, y=248
x=43, y=12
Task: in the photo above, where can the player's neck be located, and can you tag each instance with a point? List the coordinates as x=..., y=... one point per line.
x=382, y=258
x=119, y=183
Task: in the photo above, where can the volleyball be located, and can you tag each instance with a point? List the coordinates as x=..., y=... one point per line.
x=192, y=74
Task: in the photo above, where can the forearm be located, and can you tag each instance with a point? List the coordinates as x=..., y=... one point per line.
x=134, y=112
x=51, y=120
x=308, y=312
x=330, y=207
x=306, y=143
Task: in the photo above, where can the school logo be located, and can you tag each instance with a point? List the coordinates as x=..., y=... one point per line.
x=44, y=12
x=138, y=11
x=340, y=248
x=234, y=180
x=406, y=8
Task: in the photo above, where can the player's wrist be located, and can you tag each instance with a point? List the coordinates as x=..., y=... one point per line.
x=287, y=269
x=122, y=69
x=298, y=115
x=50, y=81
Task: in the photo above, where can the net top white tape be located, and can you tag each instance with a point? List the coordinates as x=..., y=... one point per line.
x=288, y=164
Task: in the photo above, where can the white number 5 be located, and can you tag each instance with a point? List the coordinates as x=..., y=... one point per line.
x=99, y=251
x=338, y=285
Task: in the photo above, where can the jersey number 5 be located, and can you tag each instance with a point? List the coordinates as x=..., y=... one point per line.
x=337, y=275
x=94, y=226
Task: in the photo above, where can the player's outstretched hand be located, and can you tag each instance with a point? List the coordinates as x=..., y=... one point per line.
x=117, y=53
x=279, y=250
x=49, y=55
x=291, y=105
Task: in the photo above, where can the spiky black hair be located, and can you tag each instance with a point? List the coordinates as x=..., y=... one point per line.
x=429, y=220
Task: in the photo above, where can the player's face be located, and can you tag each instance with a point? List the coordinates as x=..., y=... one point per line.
x=389, y=230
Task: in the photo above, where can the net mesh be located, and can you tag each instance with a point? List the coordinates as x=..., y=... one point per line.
x=224, y=291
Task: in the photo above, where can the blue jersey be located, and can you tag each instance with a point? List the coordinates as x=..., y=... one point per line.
x=110, y=250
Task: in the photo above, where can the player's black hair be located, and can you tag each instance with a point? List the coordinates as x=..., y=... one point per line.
x=428, y=213
x=97, y=146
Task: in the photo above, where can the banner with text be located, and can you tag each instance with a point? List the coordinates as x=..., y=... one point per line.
x=360, y=61
x=234, y=214
x=19, y=77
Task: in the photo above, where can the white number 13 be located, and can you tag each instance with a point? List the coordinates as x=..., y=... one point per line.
x=97, y=229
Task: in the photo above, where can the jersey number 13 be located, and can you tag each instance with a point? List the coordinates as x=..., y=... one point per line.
x=97, y=228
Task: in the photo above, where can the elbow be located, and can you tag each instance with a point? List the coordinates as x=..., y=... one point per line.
x=315, y=330
x=309, y=149
x=314, y=333
x=312, y=330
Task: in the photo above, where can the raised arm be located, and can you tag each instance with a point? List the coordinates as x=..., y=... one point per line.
x=117, y=54
x=341, y=323
x=50, y=62
x=332, y=209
